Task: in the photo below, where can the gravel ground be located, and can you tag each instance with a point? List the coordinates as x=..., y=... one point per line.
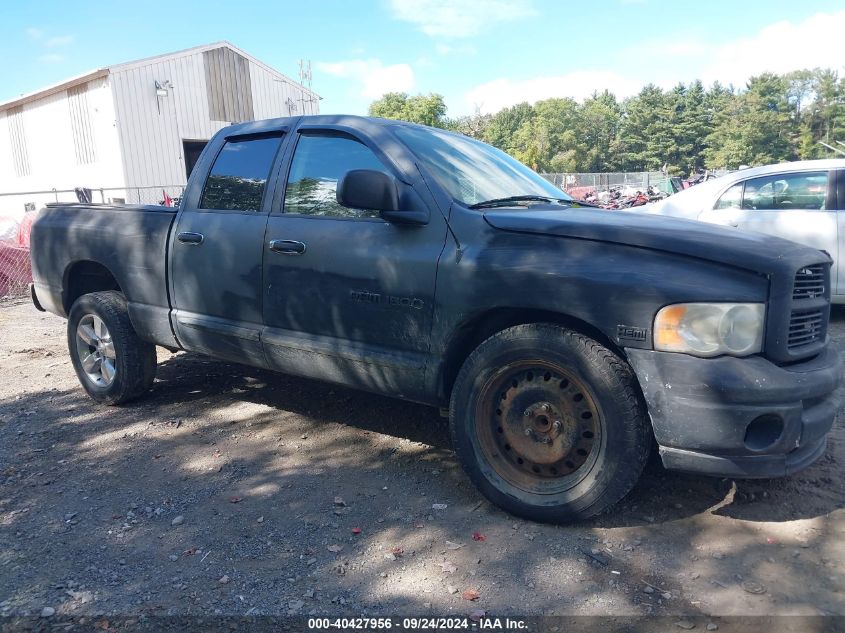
x=232, y=490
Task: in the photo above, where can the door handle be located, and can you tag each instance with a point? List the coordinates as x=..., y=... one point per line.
x=187, y=237
x=288, y=247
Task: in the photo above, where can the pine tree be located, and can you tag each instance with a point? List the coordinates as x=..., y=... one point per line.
x=693, y=128
x=600, y=119
x=643, y=130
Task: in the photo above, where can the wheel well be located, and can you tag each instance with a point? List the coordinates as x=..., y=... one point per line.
x=84, y=277
x=474, y=332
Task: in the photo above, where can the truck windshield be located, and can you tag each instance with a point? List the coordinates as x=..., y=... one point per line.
x=474, y=172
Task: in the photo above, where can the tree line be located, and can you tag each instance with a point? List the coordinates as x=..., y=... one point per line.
x=685, y=130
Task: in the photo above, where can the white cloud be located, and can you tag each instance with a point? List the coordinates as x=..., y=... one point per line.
x=501, y=93
x=51, y=58
x=58, y=40
x=459, y=18
x=40, y=36
x=46, y=43
x=780, y=47
x=373, y=77
x=448, y=49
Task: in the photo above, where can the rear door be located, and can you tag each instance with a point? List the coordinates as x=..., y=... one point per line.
x=348, y=296
x=793, y=205
x=216, y=256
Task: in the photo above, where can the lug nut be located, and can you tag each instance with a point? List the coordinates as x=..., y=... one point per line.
x=546, y=408
x=557, y=425
x=527, y=413
x=528, y=432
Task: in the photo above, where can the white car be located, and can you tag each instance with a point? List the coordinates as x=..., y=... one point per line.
x=801, y=201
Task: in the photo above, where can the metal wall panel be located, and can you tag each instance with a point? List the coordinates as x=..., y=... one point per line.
x=228, y=86
x=151, y=128
x=17, y=137
x=80, y=125
x=275, y=95
x=50, y=144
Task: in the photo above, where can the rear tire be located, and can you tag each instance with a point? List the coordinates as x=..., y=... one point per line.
x=113, y=365
x=549, y=424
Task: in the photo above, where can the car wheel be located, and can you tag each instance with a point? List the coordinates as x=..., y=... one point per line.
x=112, y=363
x=548, y=423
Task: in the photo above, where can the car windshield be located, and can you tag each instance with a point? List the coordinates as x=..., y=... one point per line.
x=474, y=172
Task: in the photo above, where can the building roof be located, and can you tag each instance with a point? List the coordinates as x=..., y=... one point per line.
x=107, y=70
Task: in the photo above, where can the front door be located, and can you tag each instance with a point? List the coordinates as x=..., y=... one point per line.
x=795, y=206
x=348, y=296
x=216, y=256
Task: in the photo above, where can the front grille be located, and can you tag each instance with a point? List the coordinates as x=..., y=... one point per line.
x=809, y=282
x=806, y=327
x=798, y=311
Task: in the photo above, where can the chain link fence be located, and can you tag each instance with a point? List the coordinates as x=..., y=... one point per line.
x=18, y=210
x=15, y=271
x=30, y=200
x=577, y=185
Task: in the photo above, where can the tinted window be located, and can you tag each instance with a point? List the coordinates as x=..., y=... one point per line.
x=318, y=164
x=731, y=198
x=805, y=190
x=239, y=174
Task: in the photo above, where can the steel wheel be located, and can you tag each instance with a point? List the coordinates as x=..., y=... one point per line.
x=538, y=427
x=95, y=350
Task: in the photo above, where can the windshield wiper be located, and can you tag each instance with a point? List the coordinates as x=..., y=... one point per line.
x=495, y=202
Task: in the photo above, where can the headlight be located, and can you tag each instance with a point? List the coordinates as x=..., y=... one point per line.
x=710, y=329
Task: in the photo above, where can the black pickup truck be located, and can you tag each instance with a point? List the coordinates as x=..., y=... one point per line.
x=408, y=261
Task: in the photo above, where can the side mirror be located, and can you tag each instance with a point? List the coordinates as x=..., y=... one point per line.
x=368, y=189
x=376, y=190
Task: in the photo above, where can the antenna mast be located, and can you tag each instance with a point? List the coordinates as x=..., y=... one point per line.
x=305, y=79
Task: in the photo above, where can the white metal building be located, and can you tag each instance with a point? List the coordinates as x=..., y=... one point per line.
x=136, y=128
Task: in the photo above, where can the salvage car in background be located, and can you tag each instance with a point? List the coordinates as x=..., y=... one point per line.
x=801, y=201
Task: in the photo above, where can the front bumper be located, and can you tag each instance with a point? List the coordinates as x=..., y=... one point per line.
x=739, y=417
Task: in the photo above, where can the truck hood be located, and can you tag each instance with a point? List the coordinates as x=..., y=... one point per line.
x=751, y=251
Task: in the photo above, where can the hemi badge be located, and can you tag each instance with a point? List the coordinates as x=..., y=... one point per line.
x=631, y=333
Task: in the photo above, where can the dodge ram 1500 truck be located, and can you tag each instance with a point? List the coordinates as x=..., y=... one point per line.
x=428, y=266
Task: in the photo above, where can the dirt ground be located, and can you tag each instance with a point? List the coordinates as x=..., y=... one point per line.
x=232, y=490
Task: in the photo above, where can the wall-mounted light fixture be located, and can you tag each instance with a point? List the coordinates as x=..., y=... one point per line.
x=163, y=88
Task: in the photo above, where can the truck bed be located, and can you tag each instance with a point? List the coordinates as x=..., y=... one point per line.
x=128, y=241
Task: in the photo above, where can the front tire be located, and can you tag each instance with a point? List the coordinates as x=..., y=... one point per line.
x=548, y=423
x=112, y=363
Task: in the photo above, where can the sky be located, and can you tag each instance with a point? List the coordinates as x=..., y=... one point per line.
x=481, y=55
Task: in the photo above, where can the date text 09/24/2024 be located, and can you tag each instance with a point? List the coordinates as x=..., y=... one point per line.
x=418, y=624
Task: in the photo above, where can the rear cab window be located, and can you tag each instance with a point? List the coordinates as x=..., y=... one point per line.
x=238, y=178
